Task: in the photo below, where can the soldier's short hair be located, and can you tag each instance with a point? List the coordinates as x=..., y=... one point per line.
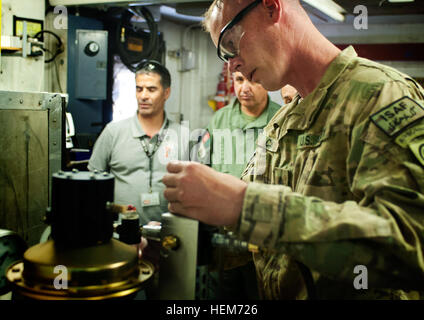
x=218, y=4
x=208, y=13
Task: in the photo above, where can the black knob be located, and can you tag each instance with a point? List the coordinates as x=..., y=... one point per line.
x=92, y=48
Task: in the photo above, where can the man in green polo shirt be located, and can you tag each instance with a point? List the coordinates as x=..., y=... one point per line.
x=229, y=144
x=234, y=129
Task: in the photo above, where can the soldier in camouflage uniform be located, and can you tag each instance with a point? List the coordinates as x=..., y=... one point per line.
x=337, y=180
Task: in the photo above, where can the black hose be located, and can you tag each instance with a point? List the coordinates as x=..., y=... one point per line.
x=133, y=60
x=60, y=44
x=154, y=38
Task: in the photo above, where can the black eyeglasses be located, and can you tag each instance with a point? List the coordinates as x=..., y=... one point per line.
x=229, y=38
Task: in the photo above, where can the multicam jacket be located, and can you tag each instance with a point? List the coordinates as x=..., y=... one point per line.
x=337, y=184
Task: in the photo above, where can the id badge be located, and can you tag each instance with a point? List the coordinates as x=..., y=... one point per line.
x=150, y=199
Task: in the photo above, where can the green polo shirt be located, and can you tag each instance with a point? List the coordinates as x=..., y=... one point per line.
x=233, y=135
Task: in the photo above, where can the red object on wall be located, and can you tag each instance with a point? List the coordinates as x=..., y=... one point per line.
x=225, y=88
x=389, y=51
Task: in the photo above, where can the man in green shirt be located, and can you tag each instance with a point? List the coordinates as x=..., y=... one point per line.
x=234, y=129
x=229, y=143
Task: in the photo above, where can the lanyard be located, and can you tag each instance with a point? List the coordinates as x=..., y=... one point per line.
x=151, y=154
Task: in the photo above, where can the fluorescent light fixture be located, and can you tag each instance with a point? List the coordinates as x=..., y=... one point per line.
x=401, y=1
x=328, y=8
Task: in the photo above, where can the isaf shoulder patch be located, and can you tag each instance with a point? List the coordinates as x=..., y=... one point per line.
x=394, y=118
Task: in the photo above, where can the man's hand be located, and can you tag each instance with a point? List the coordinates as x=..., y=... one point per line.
x=199, y=192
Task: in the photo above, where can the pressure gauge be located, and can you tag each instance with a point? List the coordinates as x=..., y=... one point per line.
x=92, y=48
x=12, y=248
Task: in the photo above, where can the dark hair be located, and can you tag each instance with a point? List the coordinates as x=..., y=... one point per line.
x=152, y=66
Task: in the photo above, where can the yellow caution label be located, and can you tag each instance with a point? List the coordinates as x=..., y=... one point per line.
x=32, y=27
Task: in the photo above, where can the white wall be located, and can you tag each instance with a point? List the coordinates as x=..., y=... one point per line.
x=190, y=89
x=18, y=73
x=377, y=33
x=55, y=72
x=33, y=9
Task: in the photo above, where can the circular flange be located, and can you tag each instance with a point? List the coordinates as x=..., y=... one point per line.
x=48, y=273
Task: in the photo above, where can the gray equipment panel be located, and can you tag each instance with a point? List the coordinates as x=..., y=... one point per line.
x=91, y=64
x=177, y=270
x=31, y=138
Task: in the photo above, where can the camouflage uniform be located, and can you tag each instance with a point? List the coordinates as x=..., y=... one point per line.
x=346, y=166
x=232, y=130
